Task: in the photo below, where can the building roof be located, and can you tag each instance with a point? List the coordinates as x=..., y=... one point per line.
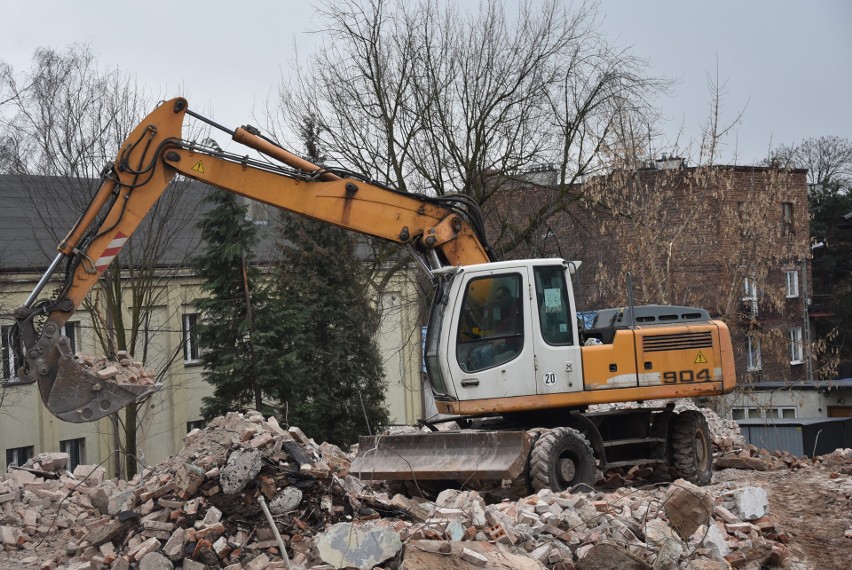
x=789, y=421
x=35, y=216
x=837, y=384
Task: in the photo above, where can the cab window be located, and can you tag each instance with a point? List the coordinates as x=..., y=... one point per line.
x=554, y=310
x=491, y=324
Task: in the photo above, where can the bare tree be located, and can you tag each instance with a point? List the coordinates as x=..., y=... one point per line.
x=65, y=119
x=429, y=98
x=828, y=159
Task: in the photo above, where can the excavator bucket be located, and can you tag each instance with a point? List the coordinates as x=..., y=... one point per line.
x=454, y=455
x=79, y=396
x=74, y=394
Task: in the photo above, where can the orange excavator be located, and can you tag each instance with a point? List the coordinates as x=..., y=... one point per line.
x=507, y=357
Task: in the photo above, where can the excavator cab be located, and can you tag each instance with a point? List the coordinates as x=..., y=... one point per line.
x=500, y=335
x=511, y=334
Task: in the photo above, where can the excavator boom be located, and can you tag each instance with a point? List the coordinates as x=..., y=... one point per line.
x=440, y=231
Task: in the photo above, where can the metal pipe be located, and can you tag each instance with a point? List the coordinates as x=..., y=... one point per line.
x=44, y=279
x=251, y=140
x=274, y=526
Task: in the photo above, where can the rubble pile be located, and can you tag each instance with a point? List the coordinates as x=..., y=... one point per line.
x=123, y=370
x=204, y=508
x=726, y=434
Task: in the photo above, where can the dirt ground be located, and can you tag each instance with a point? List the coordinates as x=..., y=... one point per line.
x=813, y=505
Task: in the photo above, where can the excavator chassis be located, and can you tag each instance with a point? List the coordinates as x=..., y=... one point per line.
x=563, y=452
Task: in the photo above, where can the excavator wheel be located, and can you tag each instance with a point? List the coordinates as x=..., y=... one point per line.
x=691, y=448
x=562, y=459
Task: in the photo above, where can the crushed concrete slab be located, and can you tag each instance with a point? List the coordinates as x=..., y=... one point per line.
x=687, y=507
x=359, y=546
x=752, y=503
x=286, y=501
x=243, y=466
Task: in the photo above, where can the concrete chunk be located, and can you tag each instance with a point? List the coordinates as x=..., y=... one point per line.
x=688, y=507
x=155, y=561
x=243, y=466
x=474, y=557
x=752, y=503
x=286, y=501
x=359, y=546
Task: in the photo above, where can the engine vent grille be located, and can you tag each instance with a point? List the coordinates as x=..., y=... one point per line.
x=679, y=341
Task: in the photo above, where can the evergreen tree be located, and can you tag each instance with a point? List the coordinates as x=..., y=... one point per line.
x=244, y=337
x=832, y=271
x=338, y=384
x=339, y=387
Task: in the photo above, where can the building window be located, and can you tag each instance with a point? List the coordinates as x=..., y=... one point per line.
x=786, y=219
x=196, y=424
x=19, y=455
x=256, y=212
x=753, y=412
x=753, y=362
x=796, y=345
x=191, y=353
x=71, y=330
x=10, y=367
x=792, y=278
x=750, y=296
x=76, y=450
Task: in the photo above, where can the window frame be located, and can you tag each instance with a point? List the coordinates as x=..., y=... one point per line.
x=562, y=312
x=189, y=339
x=74, y=337
x=8, y=366
x=759, y=412
x=27, y=450
x=75, y=456
x=754, y=361
x=787, y=228
x=482, y=347
x=750, y=294
x=791, y=278
x=796, y=347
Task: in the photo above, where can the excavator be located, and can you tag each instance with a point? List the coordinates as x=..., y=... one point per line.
x=518, y=375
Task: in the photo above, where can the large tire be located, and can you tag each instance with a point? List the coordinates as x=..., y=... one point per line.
x=691, y=447
x=562, y=459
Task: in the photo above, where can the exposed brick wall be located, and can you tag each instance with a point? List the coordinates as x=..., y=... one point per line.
x=689, y=236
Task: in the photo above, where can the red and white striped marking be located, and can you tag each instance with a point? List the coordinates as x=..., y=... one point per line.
x=110, y=252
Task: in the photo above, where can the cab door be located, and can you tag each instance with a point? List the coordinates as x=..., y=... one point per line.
x=491, y=355
x=559, y=367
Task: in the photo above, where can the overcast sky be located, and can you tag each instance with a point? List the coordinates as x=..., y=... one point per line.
x=786, y=65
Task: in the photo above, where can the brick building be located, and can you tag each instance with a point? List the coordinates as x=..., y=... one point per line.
x=731, y=239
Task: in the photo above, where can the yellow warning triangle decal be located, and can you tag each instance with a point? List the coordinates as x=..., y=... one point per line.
x=198, y=167
x=700, y=359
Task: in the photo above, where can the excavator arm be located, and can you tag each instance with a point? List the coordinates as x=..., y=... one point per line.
x=443, y=231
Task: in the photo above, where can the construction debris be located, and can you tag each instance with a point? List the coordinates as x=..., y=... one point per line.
x=123, y=370
x=202, y=509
